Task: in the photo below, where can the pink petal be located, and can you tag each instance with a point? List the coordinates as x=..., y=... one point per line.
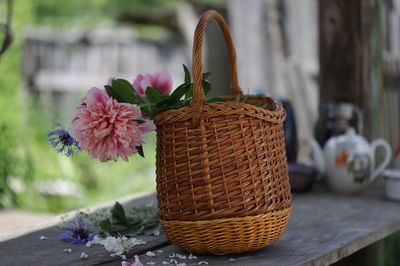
x=107, y=130
x=147, y=126
x=137, y=84
x=95, y=96
x=163, y=82
x=147, y=82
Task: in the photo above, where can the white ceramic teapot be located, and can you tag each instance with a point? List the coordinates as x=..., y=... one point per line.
x=347, y=161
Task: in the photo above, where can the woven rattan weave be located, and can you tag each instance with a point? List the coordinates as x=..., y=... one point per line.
x=222, y=179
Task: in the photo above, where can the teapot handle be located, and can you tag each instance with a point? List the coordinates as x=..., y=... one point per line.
x=388, y=155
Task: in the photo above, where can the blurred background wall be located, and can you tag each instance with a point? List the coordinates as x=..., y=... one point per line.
x=277, y=52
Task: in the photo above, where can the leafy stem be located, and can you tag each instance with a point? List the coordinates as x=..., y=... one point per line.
x=155, y=102
x=141, y=220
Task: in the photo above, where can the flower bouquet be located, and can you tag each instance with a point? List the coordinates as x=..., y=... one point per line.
x=110, y=123
x=222, y=178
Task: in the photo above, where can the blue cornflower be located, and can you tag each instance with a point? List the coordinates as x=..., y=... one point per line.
x=77, y=232
x=62, y=140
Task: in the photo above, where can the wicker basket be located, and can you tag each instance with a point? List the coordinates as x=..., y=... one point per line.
x=222, y=179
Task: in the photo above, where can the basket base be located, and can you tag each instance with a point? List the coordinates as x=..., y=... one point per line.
x=228, y=235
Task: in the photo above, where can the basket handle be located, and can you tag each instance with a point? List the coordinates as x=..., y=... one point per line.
x=198, y=99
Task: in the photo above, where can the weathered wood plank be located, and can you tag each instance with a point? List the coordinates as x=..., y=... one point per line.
x=17, y=249
x=12, y=218
x=323, y=229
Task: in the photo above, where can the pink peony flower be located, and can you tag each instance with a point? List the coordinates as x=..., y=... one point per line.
x=106, y=128
x=161, y=81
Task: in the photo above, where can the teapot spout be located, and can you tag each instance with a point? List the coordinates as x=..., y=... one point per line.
x=317, y=155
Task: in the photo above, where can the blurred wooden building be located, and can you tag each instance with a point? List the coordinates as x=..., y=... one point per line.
x=279, y=53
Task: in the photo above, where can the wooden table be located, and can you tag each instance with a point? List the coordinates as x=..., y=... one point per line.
x=323, y=229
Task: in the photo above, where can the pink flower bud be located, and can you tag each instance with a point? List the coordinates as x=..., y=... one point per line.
x=160, y=81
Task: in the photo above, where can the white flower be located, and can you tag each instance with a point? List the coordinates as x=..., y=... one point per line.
x=160, y=251
x=116, y=245
x=203, y=262
x=137, y=241
x=96, y=240
x=68, y=250
x=231, y=259
x=43, y=238
x=123, y=257
x=172, y=255
x=165, y=262
x=150, y=254
x=84, y=255
x=180, y=256
x=151, y=263
x=192, y=257
x=137, y=261
x=89, y=244
x=181, y=264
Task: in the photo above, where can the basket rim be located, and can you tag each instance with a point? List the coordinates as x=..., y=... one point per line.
x=276, y=115
x=232, y=219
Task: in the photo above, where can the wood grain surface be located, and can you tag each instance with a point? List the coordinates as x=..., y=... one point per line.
x=323, y=229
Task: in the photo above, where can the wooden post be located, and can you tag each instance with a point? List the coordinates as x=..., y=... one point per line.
x=348, y=69
x=351, y=71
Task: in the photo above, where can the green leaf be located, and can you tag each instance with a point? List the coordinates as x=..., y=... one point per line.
x=139, y=121
x=206, y=87
x=237, y=98
x=147, y=104
x=140, y=98
x=110, y=91
x=153, y=95
x=179, y=92
x=149, y=111
x=173, y=100
x=124, y=92
x=188, y=78
x=126, y=83
x=118, y=213
x=189, y=92
x=105, y=226
x=214, y=100
x=185, y=102
x=140, y=150
x=206, y=75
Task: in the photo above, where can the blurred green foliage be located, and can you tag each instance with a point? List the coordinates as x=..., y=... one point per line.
x=91, y=12
x=25, y=154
